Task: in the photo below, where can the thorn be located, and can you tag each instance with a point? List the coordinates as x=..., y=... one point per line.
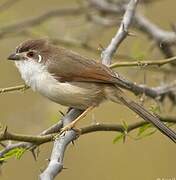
x=73, y=143
x=48, y=159
x=5, y=130
x=158, y=116
x=38, y=151
x=131, y=34
x=34, y=154
x=61, y=113
x=64, y=168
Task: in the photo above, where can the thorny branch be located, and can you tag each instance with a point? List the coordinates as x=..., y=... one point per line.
x=55, y=165
x=164, y=39
x=143, y=63
x=121, y=33
x=41, y=139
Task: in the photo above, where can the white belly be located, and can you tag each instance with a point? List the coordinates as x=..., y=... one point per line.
x=76, y=94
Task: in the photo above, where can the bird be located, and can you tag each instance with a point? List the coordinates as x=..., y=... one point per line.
x=72, y=80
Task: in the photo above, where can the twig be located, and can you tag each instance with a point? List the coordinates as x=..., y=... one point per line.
x=5, y=135
x=119, y=127
x=160, y=92
x=14, y=88
x=143, y=63
x=53, y=129
x=121, y=33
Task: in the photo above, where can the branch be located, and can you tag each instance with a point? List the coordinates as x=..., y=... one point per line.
x=160, y=92
x=5, y=135
x=26, y=145
x=39, y=140
x=144, y=63
x=119, y=127
x=55, y=165
x=164, y=39
x=121, y=33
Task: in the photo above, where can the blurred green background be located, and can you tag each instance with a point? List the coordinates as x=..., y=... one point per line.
x=94, y=156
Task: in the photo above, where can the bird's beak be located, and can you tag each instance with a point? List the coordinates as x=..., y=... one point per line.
x=14, y=57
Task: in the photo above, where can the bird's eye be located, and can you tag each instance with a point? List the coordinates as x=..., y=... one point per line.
x=30, y=54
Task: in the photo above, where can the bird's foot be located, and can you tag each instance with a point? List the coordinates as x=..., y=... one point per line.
x=70, y=126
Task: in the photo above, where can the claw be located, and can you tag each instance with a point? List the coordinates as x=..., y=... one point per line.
x=66, y=128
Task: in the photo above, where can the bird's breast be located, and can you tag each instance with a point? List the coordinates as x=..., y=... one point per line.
x=75, y=94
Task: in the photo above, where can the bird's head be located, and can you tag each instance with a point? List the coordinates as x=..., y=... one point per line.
x=31, y=50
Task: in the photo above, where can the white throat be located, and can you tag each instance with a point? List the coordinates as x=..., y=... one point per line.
x=33, y=73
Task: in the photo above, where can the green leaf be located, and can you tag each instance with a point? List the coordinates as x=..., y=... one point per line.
x=17, y=153
x=142, y=131
x=118, y=138
x=155, y=108
x=143, y=128
x=147, y=134
x=125, y=126
x=20, y=152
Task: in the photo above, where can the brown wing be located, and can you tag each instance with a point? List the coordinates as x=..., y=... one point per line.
x=70, y=66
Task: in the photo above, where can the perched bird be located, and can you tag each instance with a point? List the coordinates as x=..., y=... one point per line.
x=70, y=79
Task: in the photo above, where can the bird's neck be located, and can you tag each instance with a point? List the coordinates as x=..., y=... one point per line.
x=31, y=72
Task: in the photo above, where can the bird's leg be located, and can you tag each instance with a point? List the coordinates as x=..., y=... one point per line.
x=73, y=123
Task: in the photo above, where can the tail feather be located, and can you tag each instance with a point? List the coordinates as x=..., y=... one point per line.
x=146, y=115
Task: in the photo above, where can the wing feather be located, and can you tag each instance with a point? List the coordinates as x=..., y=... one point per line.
x=69, y=66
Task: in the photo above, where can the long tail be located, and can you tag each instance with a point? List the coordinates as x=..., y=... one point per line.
x=146, y=115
